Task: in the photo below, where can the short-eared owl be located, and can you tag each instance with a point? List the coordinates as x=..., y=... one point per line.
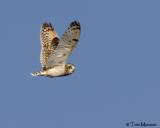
x=55, y=51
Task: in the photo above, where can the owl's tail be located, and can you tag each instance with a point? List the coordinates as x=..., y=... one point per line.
x=36, y=73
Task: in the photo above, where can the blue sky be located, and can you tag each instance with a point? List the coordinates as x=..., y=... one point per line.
x=117, y=64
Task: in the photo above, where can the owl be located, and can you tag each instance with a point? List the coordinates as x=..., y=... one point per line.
x=55, y=50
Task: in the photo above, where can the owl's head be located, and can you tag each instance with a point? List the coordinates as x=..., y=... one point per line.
x=70, y=68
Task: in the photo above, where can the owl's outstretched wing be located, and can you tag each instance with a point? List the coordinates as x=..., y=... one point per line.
x=66, y=45
x=49, y=42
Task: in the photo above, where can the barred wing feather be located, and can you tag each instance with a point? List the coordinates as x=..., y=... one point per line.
x=49, y=42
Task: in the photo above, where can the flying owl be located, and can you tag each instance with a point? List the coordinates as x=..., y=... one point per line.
x=55, y=51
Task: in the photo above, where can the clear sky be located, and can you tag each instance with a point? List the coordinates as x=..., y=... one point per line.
x=117, y=64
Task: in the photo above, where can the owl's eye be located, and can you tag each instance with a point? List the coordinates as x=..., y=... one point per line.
x=70, y=67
